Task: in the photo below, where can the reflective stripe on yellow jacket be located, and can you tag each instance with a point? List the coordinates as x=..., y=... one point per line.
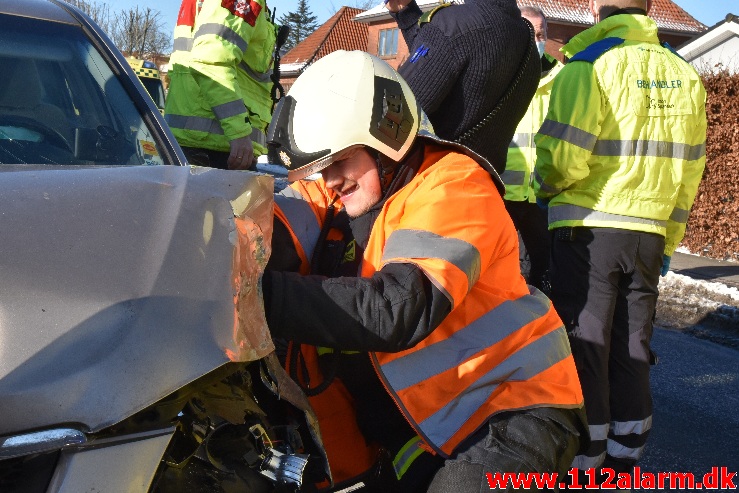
x=521, y=158
x=220, y=77
x=502, y=347
x=623, y=144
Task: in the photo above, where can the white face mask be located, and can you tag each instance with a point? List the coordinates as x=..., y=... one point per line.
x=540, y=45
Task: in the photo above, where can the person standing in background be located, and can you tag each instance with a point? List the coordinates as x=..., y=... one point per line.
x=520, y=202
x=219, y=102
x=473, y=68
x=619, y=159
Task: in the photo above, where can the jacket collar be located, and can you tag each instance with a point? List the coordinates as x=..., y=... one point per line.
x=548, y=62
x=629, y=27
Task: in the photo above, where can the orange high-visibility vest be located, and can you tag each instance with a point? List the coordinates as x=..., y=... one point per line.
x=349, y=455
x=502, y=347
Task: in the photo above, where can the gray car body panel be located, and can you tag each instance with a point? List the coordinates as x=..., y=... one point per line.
x=120, y=285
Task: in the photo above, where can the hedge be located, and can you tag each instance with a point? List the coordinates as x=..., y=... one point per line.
x=713, y=225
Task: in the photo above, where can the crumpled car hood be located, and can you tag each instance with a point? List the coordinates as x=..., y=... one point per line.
x=120, y=285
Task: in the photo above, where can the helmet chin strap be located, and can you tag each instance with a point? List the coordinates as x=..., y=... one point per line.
x=395, y=175
x=386, y=169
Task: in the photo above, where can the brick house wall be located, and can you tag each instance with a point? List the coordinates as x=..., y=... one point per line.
x=373, y=43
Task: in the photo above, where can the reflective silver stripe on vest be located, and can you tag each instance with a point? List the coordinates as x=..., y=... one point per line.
x=586, y=462
x=301, y=219
x=679, y=215
x=568, y=133
x=569, y=212
x=624, y=428
x=257, y=76
x=227, y=110
x=408, y=243
x=598, y=432
x=291, y=193
x=522, y=140
x=543, y=186
x=505, y=319
x=619, y=451
x=199, y=123
x=183, y=44
x=208, y=125
x=258, y=136
x=511, y=177
x=224, y=32
x=650, y=148
x=524, y=364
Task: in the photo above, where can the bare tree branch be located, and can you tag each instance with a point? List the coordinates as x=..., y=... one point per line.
x=140, y=32
x=359, y=4
x=98, y=12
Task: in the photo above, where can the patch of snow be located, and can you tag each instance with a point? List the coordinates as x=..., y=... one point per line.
x=708, y=310
x=673, y=279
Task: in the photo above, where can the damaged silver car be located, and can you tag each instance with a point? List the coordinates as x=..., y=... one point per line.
x=134, y=354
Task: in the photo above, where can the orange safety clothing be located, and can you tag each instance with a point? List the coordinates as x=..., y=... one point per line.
x=349, y=456
x=502, y=347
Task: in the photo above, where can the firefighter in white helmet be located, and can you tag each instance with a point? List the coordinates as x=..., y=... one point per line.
x=406, y=282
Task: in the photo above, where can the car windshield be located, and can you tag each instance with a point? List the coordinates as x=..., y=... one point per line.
x=60, y=103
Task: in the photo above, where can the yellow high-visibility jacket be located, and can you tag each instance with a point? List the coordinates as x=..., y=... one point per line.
x=519, y=168
x=624, y=141
x=220, y=77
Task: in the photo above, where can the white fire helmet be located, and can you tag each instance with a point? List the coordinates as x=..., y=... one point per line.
x=344, y=100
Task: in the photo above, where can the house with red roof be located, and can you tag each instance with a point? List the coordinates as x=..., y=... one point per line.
x=340, y=32
x=716, y=49
x=375, y=31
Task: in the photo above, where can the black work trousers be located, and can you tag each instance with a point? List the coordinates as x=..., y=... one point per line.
x=541, y=440
x=538, y=440
x=531, y=222
x=604, y=287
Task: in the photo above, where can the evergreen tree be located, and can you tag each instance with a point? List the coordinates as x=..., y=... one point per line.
x=302, y=22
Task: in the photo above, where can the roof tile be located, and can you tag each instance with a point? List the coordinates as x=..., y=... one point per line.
x=667, y=14
x=340, y=32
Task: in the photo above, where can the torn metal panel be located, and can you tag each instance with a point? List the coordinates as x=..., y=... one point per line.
x=120, y=285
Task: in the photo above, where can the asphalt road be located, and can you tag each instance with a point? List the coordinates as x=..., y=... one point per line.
x=695, y=387
x=707, y=269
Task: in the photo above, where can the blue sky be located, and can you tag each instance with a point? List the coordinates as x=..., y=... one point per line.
x=708, y=12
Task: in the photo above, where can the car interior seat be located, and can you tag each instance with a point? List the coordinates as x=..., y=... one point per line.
x=21, y=93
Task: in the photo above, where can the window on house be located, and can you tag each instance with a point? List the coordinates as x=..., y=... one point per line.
x=388, y=45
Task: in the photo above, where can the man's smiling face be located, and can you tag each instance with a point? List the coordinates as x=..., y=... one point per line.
x=356, y=180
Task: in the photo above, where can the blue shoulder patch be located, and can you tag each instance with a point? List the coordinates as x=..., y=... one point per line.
x=595, y=50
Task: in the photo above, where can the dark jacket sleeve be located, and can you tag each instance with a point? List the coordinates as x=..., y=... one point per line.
x=434, y=73
x=407, y=20
x=284, y=256
x=391, y=311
